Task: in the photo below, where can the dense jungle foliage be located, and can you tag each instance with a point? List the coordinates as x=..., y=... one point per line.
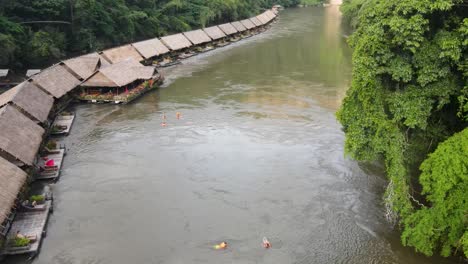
x=90, y=25
x=408, y=105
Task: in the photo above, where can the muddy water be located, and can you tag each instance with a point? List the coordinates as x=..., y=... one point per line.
x=256, y=153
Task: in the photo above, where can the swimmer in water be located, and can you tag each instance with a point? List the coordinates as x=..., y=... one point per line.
x=266, y=243
x=222, y=245
x=164, y=119
x=178, y=115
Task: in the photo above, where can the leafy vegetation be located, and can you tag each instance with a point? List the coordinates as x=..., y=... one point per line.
x=35, y=33
x=37, y=198
x=51, y=144
x=444, y=180
x=409, y=94
x=20, y=242
x=310, y=2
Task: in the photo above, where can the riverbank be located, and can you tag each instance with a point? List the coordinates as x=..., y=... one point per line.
x=39, y=101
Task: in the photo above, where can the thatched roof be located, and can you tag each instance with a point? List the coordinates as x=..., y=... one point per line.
x=4, y=72
x=247, y=23
x=12, y=180
x=83, y=66
x=56, y=80
x=20, y=136
x=263, y=18
x=238, y=25
x=197, y=36
x=150, y=48
x=30, y=98
x=214, y=32
x=270, y=14
x=120, y=74
x=118, y=54
x=176, y=42
x=228, y=29
x=256, y=21
x=32, y=72
x=104, y=62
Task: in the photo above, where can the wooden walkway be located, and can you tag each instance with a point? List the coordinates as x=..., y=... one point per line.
x=30, y=224
x=65, y=121
x=57, y=155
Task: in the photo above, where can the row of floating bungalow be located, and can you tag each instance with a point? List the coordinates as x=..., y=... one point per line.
x=34, y=109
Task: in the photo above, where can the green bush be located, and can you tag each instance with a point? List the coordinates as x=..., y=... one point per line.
x=21, y=242
x=56, y=129
x=37, y=198
x=51, y=144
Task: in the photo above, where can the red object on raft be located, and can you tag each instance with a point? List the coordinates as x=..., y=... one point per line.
x=50, y=163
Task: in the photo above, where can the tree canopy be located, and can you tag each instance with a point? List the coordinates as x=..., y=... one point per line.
x=35, y=33
x=409, y=93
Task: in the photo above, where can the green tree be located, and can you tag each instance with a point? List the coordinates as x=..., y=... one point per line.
x=444, y=179
x=7, y=49
x=45, y=46
x=408, y=93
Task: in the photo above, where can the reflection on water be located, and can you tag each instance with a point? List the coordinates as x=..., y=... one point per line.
x=257, y=153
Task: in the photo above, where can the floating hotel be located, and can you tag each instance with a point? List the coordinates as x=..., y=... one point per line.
x=33, y=110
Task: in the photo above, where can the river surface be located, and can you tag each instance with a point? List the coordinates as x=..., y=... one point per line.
x=257, y=152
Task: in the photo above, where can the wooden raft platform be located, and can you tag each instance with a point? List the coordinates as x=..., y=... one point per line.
x=63, y=121
x=29, y=224
x=57, y=155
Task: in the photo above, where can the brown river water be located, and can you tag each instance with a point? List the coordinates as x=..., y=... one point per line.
x=258, y=152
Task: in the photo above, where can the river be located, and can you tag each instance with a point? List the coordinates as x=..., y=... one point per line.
x=257, y=152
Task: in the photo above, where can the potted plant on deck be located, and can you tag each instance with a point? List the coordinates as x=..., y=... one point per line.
x=19, y=242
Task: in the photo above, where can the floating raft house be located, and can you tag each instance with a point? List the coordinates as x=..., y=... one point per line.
x=119, y=54
x=150, y=48
x=228, y=29
x=104, y=62
x=270, y=14
x=197, y=37
x=20, y=138
x=56, y=80
x=238, y=26
x=247, y=24
x=176, y=42
x=119, y=83
x=256, y=22
x=12, y=180
x=30, y=100
x=83, y=66
x=214, y=32
x=263, y=18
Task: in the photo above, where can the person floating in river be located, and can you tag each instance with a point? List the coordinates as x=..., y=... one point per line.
x=163, y=124
x=178, y=115
x=266, y=243
x=222, y=245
